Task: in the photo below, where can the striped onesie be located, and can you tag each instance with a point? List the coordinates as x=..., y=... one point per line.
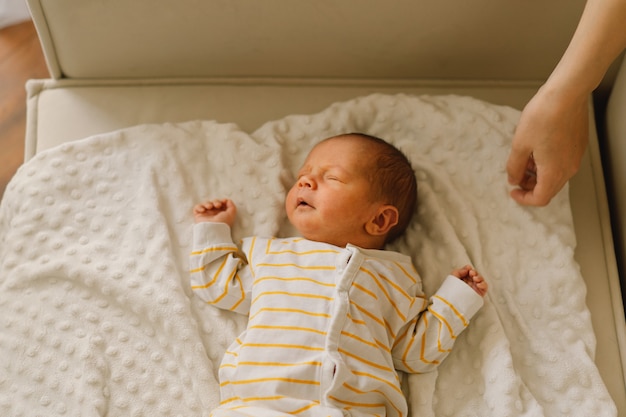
x=328, y=326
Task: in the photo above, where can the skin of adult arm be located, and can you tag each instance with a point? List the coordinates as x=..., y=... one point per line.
x=552, y=133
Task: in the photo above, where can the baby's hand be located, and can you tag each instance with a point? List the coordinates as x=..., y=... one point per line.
x=472, y=278
x=217, y=211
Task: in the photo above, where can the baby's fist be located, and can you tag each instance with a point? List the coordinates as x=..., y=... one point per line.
x=472, y=278
x=217, y=211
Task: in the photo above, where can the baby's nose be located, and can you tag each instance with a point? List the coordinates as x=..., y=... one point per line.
x=306, y=181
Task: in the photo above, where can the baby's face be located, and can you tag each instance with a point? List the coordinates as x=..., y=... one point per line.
x=331, y=200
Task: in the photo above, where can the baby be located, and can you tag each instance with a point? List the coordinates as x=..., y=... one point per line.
x=332, y=316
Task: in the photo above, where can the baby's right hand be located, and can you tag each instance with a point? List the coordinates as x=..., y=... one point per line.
x=217, y=211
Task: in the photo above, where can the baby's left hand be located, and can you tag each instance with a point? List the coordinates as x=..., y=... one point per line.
x=472, y=278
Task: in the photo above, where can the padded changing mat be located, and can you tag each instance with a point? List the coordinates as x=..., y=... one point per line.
x=97, y=316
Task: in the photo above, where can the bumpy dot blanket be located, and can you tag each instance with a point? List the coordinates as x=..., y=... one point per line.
x=96, y=312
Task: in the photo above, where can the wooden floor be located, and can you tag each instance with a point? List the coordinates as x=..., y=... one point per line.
x=21, y=58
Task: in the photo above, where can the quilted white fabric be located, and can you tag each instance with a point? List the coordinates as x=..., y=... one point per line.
x=96, y=313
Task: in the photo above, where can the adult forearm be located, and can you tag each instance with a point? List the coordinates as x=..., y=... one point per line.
x=598, y=40
x=552, y=133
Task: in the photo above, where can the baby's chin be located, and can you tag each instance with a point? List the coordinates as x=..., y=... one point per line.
x=313, y=231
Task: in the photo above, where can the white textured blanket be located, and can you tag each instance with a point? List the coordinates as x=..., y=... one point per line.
x=96, y=314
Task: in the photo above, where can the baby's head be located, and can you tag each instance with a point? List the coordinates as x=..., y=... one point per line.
x=353, y=188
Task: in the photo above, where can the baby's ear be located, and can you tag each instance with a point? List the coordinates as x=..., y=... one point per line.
x=386, y=217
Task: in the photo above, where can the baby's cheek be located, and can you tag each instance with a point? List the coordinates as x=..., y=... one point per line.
x=289, y=199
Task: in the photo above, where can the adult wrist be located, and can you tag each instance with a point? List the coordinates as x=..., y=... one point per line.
x=563, y=94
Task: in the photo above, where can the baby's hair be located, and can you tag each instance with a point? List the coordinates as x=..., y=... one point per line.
x=393, y=179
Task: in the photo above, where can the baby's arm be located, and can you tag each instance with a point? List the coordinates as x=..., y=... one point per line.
x=427, y=339
x=217, y=273
x=472, y=278
x=216, y=211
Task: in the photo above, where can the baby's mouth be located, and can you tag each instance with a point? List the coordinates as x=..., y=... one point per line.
x=303, y=203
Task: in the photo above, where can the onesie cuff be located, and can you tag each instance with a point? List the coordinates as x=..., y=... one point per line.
x=461, y=295
x=215, y=233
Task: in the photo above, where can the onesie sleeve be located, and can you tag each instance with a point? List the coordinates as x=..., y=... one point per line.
x=218, y=273
x=428, y=339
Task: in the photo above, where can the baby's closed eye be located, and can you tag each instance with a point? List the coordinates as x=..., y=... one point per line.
x=333, y=177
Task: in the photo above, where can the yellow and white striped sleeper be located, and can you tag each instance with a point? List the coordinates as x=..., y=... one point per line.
x=328, y=326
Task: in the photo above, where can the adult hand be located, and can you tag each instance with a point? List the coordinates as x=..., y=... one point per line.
x=547, y=147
